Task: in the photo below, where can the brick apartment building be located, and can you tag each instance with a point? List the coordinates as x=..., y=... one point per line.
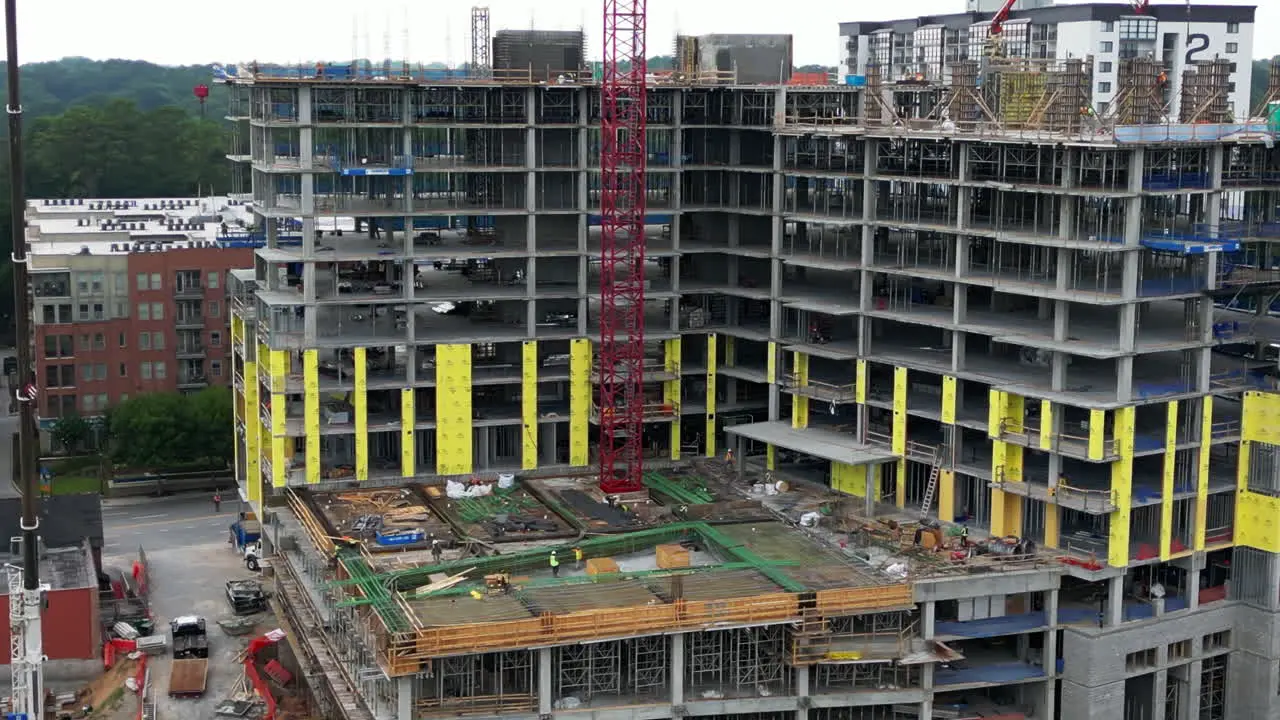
x=130, y=297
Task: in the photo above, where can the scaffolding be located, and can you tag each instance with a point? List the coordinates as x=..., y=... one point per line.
x=1139, y=98
x=1205, y=96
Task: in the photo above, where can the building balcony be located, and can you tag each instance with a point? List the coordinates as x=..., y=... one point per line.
x=193, y=291
x=192, y=381
x=190, y=350
x=189, y=320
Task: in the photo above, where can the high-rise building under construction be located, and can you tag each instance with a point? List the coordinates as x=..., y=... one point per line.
x=960, y=394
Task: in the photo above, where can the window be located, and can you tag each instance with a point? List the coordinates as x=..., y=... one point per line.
x=157, y=341
x=48, y=314
x=1104, y=87
x=215, y=368
x=145, y=371
x=122, y=310
x=84, y=342
x=156, y=283
x=215, y=309
x=82, y=312
x=1104, y=67
x=1103, y=107
x=142, y=282
x=124, y=370
x=1108, y=27
x=1107, y=47
x=99, y=341
x=144, y=311
x=1233, y=48
x=86, y=372
x=102, y=401
x=121, y=284
x=122, y=341
x=99, y=311
x=87, y=403
x=215, y=339
x=100, y=371
x=1233, y=28
x=213, y=280
x=97, y=283
x=157, y=311
x=160, y=371
x=144, y=341
x=68, y=376
x=1231, y=87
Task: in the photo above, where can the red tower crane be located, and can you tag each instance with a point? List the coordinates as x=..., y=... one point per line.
x=623, y=152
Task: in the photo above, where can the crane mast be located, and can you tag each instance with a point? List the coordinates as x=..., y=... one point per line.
x=623, y=153
x=25, y=590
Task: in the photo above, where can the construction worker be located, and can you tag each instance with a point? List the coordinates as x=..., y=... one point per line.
x=555, y=564
x=436, y=551
x=577, y=558
x=217, y=501
x=728, y=458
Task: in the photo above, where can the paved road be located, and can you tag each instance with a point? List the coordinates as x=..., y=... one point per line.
x=178, y=521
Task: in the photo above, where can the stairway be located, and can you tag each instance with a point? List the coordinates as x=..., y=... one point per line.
x=932, y=488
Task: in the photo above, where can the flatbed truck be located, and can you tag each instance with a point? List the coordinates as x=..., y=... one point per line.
x=190, y=657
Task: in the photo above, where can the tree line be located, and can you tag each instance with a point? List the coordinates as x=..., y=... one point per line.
x=161, y=430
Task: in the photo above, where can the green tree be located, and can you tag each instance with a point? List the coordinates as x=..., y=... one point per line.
x=72, y=433
x=152, y=431
x=213, y=416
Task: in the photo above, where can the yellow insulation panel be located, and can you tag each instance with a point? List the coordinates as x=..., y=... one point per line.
x=1166, y=480
x=1121, y=488
x=1202, y=470
x=529, y=405
x=800, y=404
x=579, y=401
x=454, y=430
x=360, y=404
x=899, y=438
x=408, y=438
x=995, y=412
x=860, y=383
x=311, y=412
x=771, y=364
x=1097, y=434
x=1046, y=425
x=1261, y=418
x=948, y=400
x=947, y=496
x=671, y=391
x=712, y=362
x=851, y=480
x=252, y=437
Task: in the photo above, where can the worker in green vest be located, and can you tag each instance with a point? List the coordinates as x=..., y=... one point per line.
x=555, y=564
x=577, y=558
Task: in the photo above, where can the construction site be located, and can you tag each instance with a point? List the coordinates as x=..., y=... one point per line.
x=911, y=398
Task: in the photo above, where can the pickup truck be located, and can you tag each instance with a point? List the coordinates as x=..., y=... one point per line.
x=190, y=656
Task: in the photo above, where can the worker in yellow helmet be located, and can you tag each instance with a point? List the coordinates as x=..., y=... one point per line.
x=555, y=564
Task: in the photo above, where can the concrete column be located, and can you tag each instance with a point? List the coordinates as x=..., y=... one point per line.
x=802, y=691
x=1115, y=601
x=677, y=671
x=1189, y=702
x=404, y=698
x=1051, y=635
x=544, y=682
x=928, y=619
x=1193, y=588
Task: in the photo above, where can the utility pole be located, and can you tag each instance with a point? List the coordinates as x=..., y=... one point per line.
x=25, y=601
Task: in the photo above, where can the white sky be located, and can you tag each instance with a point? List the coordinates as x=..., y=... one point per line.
x=165, y=32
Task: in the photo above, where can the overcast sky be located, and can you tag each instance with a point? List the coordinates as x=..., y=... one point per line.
x=171, y=33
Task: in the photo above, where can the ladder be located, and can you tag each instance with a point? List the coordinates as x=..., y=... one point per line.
x=148, y=710
x=934, y=472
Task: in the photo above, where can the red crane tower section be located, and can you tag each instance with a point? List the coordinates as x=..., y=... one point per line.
x=622, y=207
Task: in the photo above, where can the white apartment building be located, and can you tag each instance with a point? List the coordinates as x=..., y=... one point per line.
x=1176, y=34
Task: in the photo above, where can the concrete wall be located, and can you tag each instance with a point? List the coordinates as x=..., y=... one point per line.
x=1094, y=671
x=757, y=58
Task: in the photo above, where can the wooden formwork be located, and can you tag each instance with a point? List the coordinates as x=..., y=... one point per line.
x=850, y=601
x=407, y=651
x=479, y=705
